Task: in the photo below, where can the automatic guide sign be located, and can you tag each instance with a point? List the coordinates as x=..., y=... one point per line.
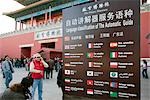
x=101, y=50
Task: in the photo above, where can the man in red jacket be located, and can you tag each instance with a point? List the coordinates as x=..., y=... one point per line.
x=37, y=70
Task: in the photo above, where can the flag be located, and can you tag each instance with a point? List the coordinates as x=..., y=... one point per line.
x=114, y=74
x=114, y=84
x=67, y=88
x=113, y=64
x=67, y=64
x=89, y=73
x=67, y=38
x=89, y=91
x=113, y=94
x=90, y=55
x=113, y=54
x=90, y=45
x=67, y=72
x=67, y=80
x=67, y=47
x=89, y=82
x=113, y=44
x=67, y=56
x=91, y=64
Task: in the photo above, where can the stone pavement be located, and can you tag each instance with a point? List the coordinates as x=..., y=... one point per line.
x=50, y=88
x=145, y=87
x=52, y=92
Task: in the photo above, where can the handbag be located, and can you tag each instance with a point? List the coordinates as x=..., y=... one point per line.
x=11, y=69
x=29, y=76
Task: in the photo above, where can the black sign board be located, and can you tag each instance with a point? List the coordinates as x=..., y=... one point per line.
x=101, y=50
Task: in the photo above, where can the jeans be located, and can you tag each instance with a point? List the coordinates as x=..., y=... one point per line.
x=37, y=83
x=8, y=77
x=144, y=73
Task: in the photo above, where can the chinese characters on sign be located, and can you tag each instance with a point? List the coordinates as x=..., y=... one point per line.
x=53, y=33
x=101, y=50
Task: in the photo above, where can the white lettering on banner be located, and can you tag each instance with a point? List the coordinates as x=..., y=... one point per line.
x=104, y=35
x=110, y=16
x=74, y=21
x=102, y=17
x=53, y=33
x=89, y=36
x=125, y=75
x=77, y=89
x=73, y=55
x=75, y=81
x=126, y=95
x=128, y=13
x=101, y=92
x=80, y=20
x=119, y=14
x=96, y=6
x=73, y=46
x=126, y=85
x=98, y=21
x=120, y=44
x=94, y=18
x=68, y=23
x=118, y=34
x=100, y=83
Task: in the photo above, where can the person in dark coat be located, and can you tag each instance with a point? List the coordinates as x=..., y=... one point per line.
x=144, y=71
x=60, y=81
x=50, y=68
x=18, y=91
x=7, y=67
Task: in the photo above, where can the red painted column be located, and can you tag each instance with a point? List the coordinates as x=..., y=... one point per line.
x=31, y=21
x=45, y=18
x=20, y=24
x=50, y=15
x=15, y=25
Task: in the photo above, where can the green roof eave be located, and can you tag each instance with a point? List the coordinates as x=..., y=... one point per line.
x=15, y=14
x=42, y=11
x=27, y=2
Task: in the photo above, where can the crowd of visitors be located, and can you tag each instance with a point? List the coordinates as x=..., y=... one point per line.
x=54, y=64
x=39, y=68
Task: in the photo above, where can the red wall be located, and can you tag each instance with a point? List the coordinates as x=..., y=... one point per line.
x=10, y=45
x=145, y=29
x=0, y=48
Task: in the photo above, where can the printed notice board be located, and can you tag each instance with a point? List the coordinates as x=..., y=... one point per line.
x=101, y=50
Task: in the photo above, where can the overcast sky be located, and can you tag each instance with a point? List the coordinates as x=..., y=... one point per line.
x=7, y=24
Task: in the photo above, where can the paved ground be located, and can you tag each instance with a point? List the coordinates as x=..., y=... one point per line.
x=145, y=87
x=51, y=91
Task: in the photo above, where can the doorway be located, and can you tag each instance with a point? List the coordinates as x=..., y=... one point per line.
x=26, y=52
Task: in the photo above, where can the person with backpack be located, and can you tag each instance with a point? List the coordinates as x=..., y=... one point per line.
x=19, y=91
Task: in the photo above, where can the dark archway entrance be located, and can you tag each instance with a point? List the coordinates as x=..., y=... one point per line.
x=26, y=52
